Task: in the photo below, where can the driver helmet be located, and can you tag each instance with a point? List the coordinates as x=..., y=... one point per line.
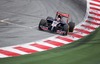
x=59, y=16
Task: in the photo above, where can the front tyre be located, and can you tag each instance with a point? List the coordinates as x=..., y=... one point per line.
x=65, y=29
x=42, y=23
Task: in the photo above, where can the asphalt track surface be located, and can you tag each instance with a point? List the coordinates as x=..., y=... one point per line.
x=23, y=17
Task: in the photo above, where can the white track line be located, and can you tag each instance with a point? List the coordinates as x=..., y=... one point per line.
x=14, y=50
x=32, y=47
x=54, y=38
x=3, y=56
x=46, y=44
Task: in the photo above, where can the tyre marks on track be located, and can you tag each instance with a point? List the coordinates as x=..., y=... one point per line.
x=85, y=28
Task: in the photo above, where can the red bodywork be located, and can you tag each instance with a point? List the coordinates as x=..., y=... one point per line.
x=63, y=15
x=57, y=16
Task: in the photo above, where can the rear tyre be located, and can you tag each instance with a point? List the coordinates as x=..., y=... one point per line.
x=65, y=28
x=42, y=23
x=71, y=26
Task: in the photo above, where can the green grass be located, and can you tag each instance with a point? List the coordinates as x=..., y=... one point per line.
x=83, y=51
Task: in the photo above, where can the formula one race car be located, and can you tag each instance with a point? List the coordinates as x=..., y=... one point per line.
x=58, y=25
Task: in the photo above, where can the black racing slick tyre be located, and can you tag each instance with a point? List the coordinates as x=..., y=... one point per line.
x=71, y=26
x=65, y=29
x=42, y=23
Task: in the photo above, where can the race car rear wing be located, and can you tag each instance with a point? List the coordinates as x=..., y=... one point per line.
x=60, y=15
